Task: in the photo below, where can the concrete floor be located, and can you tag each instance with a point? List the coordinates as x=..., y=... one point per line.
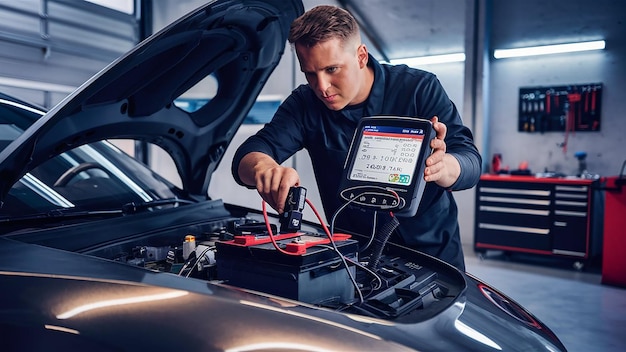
x=585, y=314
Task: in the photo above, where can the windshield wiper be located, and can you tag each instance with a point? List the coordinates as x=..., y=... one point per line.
x=132, y=207
x=65, y=213
x=69, y=213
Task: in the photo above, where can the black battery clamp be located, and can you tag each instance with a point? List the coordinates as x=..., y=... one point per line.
x=291, y=219
x=385, y=164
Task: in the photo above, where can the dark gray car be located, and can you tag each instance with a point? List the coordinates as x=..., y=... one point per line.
x=99, y=253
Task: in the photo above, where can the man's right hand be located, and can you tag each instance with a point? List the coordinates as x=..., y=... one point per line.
x=271, y=180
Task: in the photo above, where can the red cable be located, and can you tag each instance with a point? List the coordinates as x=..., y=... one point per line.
x=326, y=230
x=270, y=233
x=319, y=218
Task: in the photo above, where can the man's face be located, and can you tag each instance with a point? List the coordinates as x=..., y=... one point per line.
x=336, y=73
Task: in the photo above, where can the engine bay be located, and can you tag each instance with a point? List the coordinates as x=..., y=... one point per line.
x=306, y=265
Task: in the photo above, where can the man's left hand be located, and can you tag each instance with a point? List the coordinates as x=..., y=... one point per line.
x=441, y=167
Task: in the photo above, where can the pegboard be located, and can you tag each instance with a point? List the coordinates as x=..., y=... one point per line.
x=560, y=108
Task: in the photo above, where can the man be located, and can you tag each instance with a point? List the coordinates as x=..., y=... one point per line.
x=345, y=83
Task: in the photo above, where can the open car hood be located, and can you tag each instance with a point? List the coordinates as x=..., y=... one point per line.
x=236, y=42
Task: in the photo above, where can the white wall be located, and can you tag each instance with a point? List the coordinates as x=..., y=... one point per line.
x=535, y=22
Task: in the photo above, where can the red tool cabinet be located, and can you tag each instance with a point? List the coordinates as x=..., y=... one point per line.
x=614, y=246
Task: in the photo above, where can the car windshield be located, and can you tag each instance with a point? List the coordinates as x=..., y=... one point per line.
x=92, y=177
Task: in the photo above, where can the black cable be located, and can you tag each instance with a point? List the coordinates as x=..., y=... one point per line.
x=332, y=231
x=379, y=281
x=345, y=264
x=369, y=242
x=377, y=278
x=198, y=259
x=341, y=208
x=381, y=240
x=189, y=260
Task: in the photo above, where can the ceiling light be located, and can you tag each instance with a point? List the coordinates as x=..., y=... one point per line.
x=548, y=49
x=429, y=60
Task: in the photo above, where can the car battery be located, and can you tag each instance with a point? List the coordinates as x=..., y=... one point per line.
x=312, y=273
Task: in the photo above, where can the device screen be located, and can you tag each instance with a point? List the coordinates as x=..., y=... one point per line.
x=387, y=154
x=385, y=163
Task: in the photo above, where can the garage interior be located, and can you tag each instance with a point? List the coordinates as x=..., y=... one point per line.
x=48, y=48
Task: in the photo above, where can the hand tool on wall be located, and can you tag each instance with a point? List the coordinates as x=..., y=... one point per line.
x=595, y=119
x=568, y=108
x=571, y=108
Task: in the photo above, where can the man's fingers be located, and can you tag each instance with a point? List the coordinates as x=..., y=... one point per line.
x=434, y=166
x=282, y=197
x=290, y=178
x=265, y=193
x=435, y=157
x=273, y=185
x=438, y=144
x=440, y=128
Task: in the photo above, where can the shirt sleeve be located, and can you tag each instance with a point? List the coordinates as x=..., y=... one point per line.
x=280, y=138
x=459, y=139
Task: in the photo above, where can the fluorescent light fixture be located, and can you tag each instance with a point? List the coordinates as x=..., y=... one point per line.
x=429, y=60
x=549, y=49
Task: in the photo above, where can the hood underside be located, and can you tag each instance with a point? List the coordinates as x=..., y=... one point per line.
x=236, y=43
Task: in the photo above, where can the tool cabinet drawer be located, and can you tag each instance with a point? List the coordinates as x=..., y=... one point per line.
x=527, y=214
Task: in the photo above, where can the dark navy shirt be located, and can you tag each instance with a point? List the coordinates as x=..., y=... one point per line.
x=303, y=121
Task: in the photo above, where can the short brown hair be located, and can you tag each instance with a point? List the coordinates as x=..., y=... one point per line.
x=322, y=23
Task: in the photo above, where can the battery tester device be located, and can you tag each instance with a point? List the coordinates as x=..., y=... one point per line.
x=385, y=164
